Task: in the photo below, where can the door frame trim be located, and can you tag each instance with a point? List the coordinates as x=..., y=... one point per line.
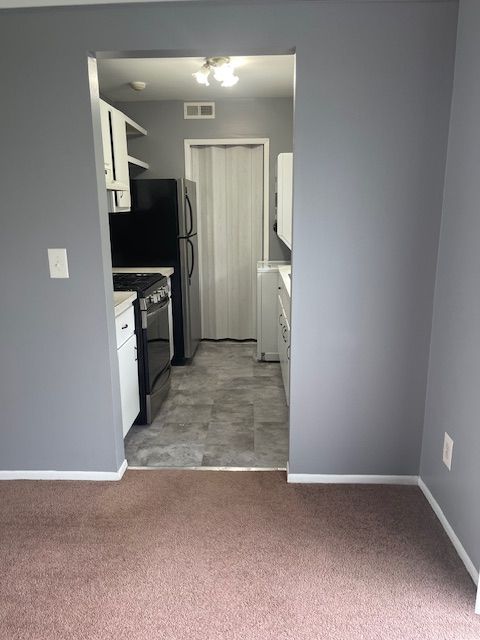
x=230, y=142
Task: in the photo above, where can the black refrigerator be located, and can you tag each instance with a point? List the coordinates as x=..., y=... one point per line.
x=161, y=231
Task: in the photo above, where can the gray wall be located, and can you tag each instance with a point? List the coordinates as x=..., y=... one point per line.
x=163, y=148
x=453, y=399
x=368, y=198
x=370, y=128
x=59, y=390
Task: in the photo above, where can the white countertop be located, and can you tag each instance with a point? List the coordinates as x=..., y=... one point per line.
x=285, y=273
x=164, y=271
x=122, y=300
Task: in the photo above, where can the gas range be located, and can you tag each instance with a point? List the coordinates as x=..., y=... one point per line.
x=151, y=288
x=153, y=337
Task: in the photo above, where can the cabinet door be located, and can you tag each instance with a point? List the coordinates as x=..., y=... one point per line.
x=106, y=142
x=285, y=197
x=115, y=153
x=120, y=152
x=282, y=348
x=127, y=362
x=286, y=372
x=280, y=195
x=125, y=326
x=280, y=325
x=283, y=339
x=123, y=199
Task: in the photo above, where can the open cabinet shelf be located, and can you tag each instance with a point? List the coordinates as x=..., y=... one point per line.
x=138, y=163
x=133, y=129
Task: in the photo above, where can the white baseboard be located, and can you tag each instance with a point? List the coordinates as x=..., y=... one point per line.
x=101, y=476
x=470, y=567
x=318, y=478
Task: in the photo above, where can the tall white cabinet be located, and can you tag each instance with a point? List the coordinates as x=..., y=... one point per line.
x=285, y=197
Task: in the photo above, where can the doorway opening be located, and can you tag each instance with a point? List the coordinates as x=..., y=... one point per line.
x=205, y=205
x=232, y=178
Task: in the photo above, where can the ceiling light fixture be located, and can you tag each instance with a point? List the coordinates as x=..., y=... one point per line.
x=223, y=72
x=138, y=85
x=202, y=74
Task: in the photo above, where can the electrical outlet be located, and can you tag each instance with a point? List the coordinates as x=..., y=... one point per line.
x=447, y=451
x=58, y=263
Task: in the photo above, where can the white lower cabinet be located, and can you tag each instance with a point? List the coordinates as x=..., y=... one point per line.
x=267, y=291
x=283, y=341
x=127, y=361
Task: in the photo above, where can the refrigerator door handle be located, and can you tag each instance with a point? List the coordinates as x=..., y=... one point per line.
x=192, y=266
x=189, y=231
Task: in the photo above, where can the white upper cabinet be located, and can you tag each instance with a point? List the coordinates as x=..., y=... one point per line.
x=114, y=139
x=105, y=112
x=119, y=149
x=285, y=197
x=116, y=127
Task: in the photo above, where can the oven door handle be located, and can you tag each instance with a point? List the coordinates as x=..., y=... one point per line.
x=146, y=313
x=158, y=306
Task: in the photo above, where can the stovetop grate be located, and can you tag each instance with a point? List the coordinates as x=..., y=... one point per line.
x=139, y=282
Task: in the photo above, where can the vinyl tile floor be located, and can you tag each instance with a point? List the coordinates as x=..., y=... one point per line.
x=223, y=410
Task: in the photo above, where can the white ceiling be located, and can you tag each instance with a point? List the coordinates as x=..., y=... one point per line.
x=171, y=78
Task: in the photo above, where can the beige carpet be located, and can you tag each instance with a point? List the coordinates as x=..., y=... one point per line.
x=226, y=555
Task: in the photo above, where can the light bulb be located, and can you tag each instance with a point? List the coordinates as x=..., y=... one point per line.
x=201, y=76
x=223, y=71
x=231, y=81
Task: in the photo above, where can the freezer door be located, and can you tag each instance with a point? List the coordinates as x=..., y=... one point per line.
x=191, y=206
x=187, y=208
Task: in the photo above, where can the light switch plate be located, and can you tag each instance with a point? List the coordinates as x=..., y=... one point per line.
x=58, y=263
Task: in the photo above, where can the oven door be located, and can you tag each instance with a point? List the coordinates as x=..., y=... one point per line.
x=158, y=366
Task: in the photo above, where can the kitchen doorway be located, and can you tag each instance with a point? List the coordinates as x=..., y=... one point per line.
x=227, y=402
x=232, y=201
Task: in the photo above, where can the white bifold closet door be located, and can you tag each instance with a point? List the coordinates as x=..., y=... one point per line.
x=230, y=212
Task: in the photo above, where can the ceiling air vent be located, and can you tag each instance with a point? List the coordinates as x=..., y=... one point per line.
x=198, y=110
